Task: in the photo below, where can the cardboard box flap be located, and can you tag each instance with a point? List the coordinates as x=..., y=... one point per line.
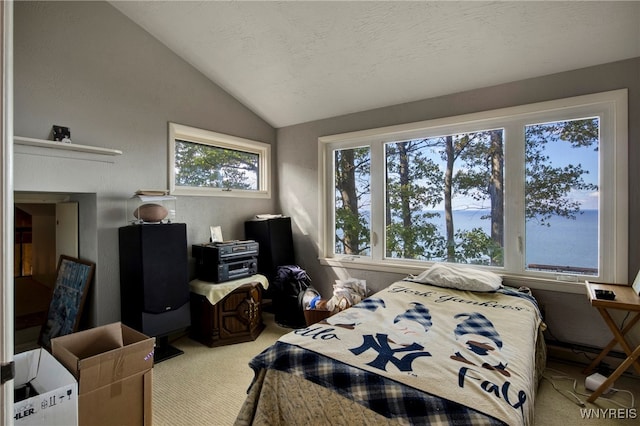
x=85, y=344
x=129, y=335
x=50, y=376
x=26, y=365
x=66, y=358
x=104, y=355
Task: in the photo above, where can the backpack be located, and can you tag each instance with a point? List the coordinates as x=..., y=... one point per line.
x=292, y=290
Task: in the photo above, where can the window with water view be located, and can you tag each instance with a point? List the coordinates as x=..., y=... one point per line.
x=523, y=197
x=561, y=196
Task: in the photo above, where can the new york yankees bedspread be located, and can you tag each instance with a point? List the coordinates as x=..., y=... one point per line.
x=410, y=354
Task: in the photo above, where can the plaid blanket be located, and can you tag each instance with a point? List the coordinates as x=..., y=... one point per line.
x=384, y=396
x=423, y=353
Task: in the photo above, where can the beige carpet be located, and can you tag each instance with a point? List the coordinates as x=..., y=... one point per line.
x=558, y=407
x=207, y=386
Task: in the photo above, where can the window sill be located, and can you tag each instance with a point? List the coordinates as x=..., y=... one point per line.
x=565, y=284
x=217, y=192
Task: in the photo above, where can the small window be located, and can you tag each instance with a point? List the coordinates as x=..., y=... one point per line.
x=202, y=162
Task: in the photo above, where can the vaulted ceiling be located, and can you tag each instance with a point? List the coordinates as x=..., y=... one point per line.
x=298, y=61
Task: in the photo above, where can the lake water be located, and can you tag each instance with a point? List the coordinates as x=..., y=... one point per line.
x=565, y=242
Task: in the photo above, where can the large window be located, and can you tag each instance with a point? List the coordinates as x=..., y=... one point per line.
x=202, y=162
x=538, y=190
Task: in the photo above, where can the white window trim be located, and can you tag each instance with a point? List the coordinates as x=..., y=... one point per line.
x=613, y=207
x=207, y=137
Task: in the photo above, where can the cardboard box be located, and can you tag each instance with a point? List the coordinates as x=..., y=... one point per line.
x=45, y=392
x=113, y=365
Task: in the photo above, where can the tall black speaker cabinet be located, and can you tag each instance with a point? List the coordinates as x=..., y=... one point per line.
x=154, y=282
x=275, y=243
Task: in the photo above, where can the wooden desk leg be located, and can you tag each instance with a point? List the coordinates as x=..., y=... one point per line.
x=610, y=346
x=621, y=369
x=618, y=336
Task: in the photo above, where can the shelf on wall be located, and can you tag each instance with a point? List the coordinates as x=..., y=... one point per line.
x=42, y=143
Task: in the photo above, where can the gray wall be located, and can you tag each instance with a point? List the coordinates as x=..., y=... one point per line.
x=86, y=66
x=569, y=316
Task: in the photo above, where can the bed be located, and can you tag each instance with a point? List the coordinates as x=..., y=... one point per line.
x=412, y=353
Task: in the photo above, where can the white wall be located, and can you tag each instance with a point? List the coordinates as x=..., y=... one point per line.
x=569, y=316
x=86, y=66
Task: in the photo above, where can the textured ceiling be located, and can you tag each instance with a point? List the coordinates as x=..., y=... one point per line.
x=293, y=62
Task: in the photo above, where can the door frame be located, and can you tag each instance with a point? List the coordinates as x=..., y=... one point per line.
x=6, y=212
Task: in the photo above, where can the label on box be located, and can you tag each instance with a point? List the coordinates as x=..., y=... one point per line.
x=45, y=392
x=52, y=408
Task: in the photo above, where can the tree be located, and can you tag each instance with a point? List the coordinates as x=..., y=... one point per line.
x=208, y=166
x=414, y=184
x=352, y=179
x=547, y=186
x=423, y=173
x=482, y=177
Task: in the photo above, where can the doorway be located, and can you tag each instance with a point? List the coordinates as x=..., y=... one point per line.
x=42, y=232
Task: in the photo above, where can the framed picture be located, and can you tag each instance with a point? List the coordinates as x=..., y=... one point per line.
x=216, y=234
x=636, y=284
x=69, y=294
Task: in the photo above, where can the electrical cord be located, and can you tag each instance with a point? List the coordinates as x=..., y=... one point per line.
x=633, y=403
x=574, y=394
x=624, y=320
x=563, y=376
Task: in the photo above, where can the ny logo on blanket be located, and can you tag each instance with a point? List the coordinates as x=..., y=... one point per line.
x=414, y=322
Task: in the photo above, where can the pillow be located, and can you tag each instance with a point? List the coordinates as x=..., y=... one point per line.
x=472, y=279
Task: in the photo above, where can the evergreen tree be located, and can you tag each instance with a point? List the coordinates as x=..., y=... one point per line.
x=352, y=179
x=207, y=166
x=471, y=165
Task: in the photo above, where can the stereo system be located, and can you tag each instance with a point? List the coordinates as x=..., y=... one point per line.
x=237, y=269
x=225, y=261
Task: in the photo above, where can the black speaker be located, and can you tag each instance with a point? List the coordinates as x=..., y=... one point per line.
x=154, y=277
x=275, y=241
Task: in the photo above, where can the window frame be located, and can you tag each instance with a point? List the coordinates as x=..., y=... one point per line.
x=223, y=141
x=610, y=106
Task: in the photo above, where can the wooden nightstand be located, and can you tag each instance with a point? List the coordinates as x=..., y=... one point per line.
x=227, y=313
x=625, y=300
